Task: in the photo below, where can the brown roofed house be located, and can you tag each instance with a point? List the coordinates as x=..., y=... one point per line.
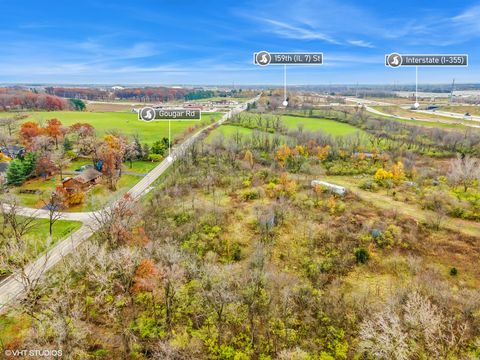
x=83, y=181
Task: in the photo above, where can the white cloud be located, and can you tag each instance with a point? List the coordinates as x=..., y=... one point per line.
x=297, y=32
x=361, y=43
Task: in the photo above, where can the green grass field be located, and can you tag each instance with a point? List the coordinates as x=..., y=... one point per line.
x=329, y=127
x=138, y=166
x=229, y=131
x=123, y=122
x=38, y=234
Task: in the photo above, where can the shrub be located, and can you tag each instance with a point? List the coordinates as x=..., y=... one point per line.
x=369, y=185
x=362, y=255
x=155, y=157
x=382, y=177
x=250, y=194
x=453, y=271
x=236, y=252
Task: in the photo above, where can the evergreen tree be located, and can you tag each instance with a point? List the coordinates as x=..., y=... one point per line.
x=15, y=173
x=67, y=144
x=78, y=104
x=29, y=163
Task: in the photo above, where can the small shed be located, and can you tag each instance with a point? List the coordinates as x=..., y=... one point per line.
x=337, y=189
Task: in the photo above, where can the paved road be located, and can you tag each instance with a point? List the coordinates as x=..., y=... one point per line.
x=451, y=114
x=441, y=113
x=12, y=287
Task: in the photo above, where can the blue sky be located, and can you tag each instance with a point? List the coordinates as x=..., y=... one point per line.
x=211, y=42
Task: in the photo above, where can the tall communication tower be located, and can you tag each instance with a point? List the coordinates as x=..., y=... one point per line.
x=452, y=90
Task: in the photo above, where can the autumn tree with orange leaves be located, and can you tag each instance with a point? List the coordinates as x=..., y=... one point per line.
x=28, y=131
x=54, y=130
x=111, y=153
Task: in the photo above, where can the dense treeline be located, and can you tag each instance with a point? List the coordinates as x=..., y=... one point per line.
x=148, y=94
x=199, y=94
x=79, y=93
x=151, y=94
x=19, y=100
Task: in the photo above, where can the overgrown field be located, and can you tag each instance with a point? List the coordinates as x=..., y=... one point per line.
x=237, y=256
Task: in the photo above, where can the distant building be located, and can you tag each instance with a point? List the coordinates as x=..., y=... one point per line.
x=83, y=181
x=339, y=190
x=13, y=151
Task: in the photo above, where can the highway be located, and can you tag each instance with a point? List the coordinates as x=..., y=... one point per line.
x=12, y=287
x=365, y=103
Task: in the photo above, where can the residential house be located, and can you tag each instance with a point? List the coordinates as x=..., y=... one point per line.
x=82, y=181
x=13, y=151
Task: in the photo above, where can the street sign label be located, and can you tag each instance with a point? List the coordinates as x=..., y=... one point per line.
x=396, y=60
x=264, y=58
x=161, y=114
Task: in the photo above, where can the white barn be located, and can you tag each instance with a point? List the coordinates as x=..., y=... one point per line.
x=339, y=190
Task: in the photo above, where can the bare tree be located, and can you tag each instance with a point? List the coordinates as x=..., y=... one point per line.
x=464, y=170
x=411, y=328
x=219, y=284
x=114, y=224
x=16, y=253
x=61, y=162
x=14, y=225
x=53, y=205
x=9, y=124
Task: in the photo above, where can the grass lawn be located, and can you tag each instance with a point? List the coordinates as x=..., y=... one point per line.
x=38, y=234
x=330, y=127
x=229, y=131
x=77, y=163
x=123, y=122
x=44, y=187
x=139, y=167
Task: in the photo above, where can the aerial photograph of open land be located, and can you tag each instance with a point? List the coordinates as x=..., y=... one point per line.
x=236, y=180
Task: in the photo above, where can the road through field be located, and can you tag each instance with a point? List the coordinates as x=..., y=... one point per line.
x=15, y=285
x=377, y=112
